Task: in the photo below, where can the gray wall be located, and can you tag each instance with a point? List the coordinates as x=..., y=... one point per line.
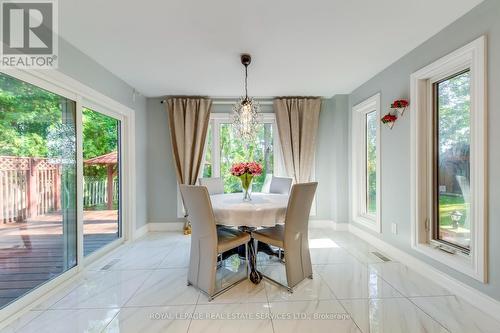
x=81, y=67
x=331, y=160
x=161, y=179
x=331, y=170
x=394, y=83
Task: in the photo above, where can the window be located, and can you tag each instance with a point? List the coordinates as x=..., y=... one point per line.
x=366, y=168
x=101, y=180
x=449, y=160
x=38, y=210
x=371, y=163
x=42, y=223
x=223, y=148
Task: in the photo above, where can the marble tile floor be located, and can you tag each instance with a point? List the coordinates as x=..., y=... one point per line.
x=144, y=290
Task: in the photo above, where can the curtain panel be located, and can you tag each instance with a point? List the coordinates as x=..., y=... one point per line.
x=297, y=119
x=189, y=118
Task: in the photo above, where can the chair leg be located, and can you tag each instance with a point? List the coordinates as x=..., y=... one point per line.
x=255, y=250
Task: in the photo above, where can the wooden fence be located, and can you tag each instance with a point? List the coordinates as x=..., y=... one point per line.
x=28, y=187
x=95, y=191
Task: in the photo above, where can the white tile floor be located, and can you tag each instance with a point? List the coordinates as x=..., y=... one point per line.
x=352, y=291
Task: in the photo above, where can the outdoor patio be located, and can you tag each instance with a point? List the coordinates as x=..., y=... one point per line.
x=31, y=252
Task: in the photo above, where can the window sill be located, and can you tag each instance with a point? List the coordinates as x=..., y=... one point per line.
x=458, y=261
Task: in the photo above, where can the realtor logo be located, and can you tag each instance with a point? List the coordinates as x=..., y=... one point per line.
x=29, y=34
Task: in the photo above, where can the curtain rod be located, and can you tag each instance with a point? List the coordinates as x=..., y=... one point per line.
x=231, y=101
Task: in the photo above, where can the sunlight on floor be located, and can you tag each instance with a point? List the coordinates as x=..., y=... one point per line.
x=322, y=243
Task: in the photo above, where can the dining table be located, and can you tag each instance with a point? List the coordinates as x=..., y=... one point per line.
x=263, y=210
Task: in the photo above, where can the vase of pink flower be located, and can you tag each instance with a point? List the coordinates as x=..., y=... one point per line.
x=245, y=171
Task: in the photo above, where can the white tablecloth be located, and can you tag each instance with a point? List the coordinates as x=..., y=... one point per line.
x=265, y=210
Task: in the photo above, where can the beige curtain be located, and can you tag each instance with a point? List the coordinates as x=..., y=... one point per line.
x=297, y=119
x=188, y=120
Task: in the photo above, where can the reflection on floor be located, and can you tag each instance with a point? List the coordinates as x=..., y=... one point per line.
x=31, y=252
x=141, y=287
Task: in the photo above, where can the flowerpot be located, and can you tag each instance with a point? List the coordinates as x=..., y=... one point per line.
x=390, y=124
x=401, y=111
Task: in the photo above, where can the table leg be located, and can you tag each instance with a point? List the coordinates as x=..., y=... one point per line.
x=254, y=275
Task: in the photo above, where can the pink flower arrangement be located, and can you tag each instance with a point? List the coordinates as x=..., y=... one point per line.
x=245, y=171
x=250, y=168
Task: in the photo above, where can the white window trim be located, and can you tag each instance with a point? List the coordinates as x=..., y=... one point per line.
x=65, y=86
x=358, y=151
x=473, y=56
x=216, y=119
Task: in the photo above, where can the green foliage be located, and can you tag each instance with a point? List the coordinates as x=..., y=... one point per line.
x=100, y=137
x=38, y=123
x=28, y=115
x=234, y=149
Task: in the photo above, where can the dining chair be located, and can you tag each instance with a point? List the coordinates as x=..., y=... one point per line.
x=277, y=185
x=280, y=185
x=292, y=236
x=208, y=241
x=214, y=185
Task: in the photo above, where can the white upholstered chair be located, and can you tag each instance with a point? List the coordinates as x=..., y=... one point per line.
x=292, y=236
x=278, y=185
x=208, y=241
x=214, y=185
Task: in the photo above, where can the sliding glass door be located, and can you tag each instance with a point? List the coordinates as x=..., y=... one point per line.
x=46, y=229
x=38, y=184
x=101, y=180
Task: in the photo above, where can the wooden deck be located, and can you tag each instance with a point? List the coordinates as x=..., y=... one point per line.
x=31, y=252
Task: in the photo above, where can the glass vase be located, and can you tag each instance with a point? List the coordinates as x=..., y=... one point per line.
x=246, y=184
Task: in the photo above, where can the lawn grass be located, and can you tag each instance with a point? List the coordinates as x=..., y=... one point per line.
x=448, y=204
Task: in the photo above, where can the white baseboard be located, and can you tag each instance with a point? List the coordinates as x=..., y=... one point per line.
x=475, y=297
x=139, y=232
x=165, y=226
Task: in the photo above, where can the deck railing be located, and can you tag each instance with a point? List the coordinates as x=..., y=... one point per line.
x=95, y=191
x=28, y=187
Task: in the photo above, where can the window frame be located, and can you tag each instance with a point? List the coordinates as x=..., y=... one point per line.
x=473, y=57
x=359, y=155
x=218, y=118
x=434, y=205
x=65, y=86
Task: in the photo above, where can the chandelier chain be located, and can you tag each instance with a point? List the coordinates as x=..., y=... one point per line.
x=246, y=81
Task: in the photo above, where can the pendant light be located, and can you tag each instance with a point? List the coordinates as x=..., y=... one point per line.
x=246, y=110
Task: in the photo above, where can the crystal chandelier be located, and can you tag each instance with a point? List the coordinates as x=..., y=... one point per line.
x=246, y=110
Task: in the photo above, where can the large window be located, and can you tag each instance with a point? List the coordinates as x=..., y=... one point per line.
x=38, y=216
x=365, y=158
x=449, y=160
x=223, y=148
x=452, y=160
x=371, y=162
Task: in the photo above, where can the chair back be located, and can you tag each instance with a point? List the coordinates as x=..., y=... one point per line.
x=296, y=244
x=280, y=185
x=214, y=185
x=203, y=255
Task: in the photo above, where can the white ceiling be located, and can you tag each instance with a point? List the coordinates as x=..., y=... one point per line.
x=308, y=47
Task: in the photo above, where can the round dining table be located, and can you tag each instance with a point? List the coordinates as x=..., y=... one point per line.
x=263, y=210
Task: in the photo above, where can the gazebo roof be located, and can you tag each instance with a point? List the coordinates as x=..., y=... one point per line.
x=109, y=158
